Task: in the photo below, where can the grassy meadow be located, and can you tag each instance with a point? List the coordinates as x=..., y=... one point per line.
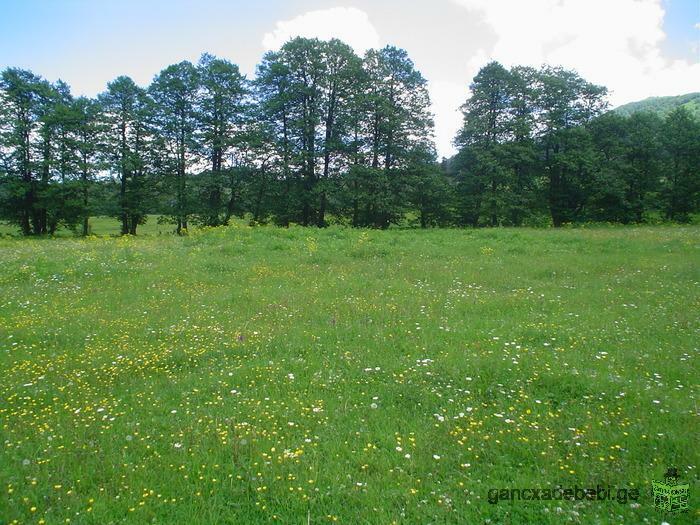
x=101, y=226
x=264, y=375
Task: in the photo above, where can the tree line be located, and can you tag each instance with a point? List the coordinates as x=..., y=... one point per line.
x=540, y=143
x=322, y=135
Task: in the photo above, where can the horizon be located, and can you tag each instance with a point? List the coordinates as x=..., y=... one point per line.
x=653, y=45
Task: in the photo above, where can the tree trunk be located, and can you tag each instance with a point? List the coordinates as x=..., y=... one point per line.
x=257, y=208
x=375, y=139
x=123, y=179
x=86, y=217
x=28, y=197
x=322, y=211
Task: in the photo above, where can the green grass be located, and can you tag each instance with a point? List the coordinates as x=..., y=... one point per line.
x=256, y=375
x=101, y=226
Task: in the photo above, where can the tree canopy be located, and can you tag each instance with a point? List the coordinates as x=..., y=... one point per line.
x=322, y=135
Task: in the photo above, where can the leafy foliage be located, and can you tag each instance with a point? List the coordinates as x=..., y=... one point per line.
x=324, y=136
x=536, y=140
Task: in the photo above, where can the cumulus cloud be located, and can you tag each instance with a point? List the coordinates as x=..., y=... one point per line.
x=349, y=24
x=616, y=44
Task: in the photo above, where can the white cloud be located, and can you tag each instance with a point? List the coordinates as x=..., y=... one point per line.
x=348, y=24
x=446, y=98
x=613, y=43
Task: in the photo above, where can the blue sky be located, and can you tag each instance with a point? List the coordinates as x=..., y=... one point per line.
x=683, y=37
x=637, y=48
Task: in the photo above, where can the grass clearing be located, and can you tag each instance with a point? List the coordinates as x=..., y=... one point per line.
x=255, y=375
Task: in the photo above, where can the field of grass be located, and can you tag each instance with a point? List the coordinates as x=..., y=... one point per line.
x=262, y=375
x=101, y=226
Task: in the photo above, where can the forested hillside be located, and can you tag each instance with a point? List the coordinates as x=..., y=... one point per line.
x=662, y=106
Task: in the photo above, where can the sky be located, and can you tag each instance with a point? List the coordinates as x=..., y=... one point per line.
x=636, y=48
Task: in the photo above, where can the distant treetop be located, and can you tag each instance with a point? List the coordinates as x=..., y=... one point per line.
x=662, y=105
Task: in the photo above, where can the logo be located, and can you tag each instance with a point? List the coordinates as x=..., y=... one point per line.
x=670, y=495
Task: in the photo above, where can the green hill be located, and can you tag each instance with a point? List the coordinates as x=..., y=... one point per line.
x=663, y=105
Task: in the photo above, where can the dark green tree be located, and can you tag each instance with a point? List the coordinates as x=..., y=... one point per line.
x=343, y=79
x=482, y=170
x=220, y=115
x=275, y=103
x=175, y=93
x=87, y=136
x=60, y=194
x=399, y=128
x=126, y=111
x=305, y=92
x=494, y=166
x=431, y=194
x=304, y=60
x=565, y=104
x=681, y=181
x=645, y=162
x=25, y=100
